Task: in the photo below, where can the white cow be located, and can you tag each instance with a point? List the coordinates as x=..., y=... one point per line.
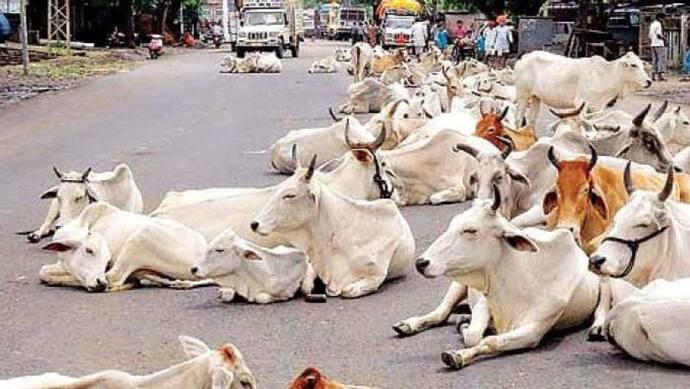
x=258, y=274
x=252, y=63
x=433, y=170
x=564, y=83
x=654, y=323
x=366, y=96
x=328, y=141
x=343, y=54
x=324, y=65
x=222, y=368
x=352, y=255
x=103, y=247
x=77, y=190
x=534, y=280
x=362, y=57
x=674, y=128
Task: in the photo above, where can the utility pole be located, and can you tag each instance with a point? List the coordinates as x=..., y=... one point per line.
x=224, y=20
x=24, y=36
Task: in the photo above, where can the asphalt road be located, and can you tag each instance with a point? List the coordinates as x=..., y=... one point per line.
x=181, y=125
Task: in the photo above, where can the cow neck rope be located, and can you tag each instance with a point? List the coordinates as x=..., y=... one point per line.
x=386, y=191
x=634, y=246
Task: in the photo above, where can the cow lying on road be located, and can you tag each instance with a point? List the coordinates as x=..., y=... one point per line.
x=312, y=378
x=324, y=65
x=252, y=63
x=352, y=255
x=77, y=190
x=257, y=274
x=222, y=368
x=102, y=248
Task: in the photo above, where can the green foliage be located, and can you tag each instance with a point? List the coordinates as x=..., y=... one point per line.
x=493, y=7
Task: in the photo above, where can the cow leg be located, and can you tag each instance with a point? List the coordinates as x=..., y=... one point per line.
x=450, y=195
x=308, y=282
x=264, y=298
x=596, y=331
x=473, y=332
x=534, y=104
x=531, y=218
x=57, y=275
x=226, y=294
x=525, y=336
x=363, y=286
x=157, y=280
x=455, y=294
x=46, y=227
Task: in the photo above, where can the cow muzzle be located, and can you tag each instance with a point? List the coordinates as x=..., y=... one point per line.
x=421, y=264
x=100, y=287
x=648, y=84
x=595, y=263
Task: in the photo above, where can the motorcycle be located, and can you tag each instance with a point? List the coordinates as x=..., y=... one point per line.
x=218, y=40
x=155, y=46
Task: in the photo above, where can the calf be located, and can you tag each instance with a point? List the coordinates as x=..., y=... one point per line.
x=352, y=255
x=257, y=274
x=313, y=378
x=325, y=65
x=491, y=128
x=528, y=293
x=102, y=248
x=222, y=368
x=77, y=190
x=389, y=60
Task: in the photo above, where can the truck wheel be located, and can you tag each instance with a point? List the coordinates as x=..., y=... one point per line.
x=295, y=50
x=280, y=51
x=240, y=52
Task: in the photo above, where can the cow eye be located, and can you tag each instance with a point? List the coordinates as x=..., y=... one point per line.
x=470, y=231
x=686, y=123
x=498, y=179
x=634, y=65
x=289, y=196
x=220, y=251
x=642, y=225
x=89, y=251
x=78, y=199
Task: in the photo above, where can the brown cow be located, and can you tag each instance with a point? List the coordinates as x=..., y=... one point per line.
x=587, y=196
x=491, y=128
x=312, y=378
x=380, y=65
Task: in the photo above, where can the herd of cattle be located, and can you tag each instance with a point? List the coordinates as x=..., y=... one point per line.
x=590, y=219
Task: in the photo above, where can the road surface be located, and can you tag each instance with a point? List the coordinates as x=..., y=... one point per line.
x=181, y=125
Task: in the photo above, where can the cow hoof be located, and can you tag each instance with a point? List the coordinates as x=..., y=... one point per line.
x=403, y=329
x=595, y=334
x=462, y=326
x=450, y=359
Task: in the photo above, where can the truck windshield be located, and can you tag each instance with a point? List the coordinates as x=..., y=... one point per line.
x=263, y=18
x=399, y=23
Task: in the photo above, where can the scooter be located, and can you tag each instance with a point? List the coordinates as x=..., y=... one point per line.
x=155, y=46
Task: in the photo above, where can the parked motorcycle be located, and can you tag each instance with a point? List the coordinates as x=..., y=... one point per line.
x=155, y=46
x=218, y=40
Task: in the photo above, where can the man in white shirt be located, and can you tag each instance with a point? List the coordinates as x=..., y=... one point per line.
x=658, y=43
x=504, y=37
x=419, y=32
x=489, y=41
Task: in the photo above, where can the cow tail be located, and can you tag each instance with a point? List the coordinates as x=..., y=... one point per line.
x=356, y=55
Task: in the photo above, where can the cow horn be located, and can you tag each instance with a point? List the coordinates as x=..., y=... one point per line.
x=379, y=140
x=524, y=122
x=503, y=114
x=639, y=119
x=85, y=174
x=593, y=158
x=443, y=69
x=627, y=179
x=668, y=187
x=497, y=198
x=348, y=141
x=394, y=108
x=567, y=114
x=464, y=69
x=661, y=110
x=508, y=142
x=427, y=114
x=310, y=170
x=57, y=172
x=293, y=153
x=333, y=115
x=466, y=148
x=678, y=109
x=552, y=157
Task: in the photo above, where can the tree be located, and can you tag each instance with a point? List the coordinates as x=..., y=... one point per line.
x=492, y=8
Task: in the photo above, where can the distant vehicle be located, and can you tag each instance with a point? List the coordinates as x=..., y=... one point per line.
x=347, y=17
x=308, y=21
x=5, y=28
x=624, y=26
x=397, y=28
x=270, y=25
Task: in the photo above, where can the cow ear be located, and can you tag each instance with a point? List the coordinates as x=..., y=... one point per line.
x=251, y=255
x=193, y=347
x=362, y=155
x=519, y=177
x=520, y=242
x=50, y=193
x=550, y=202
x=59, y=246
x=598, y=203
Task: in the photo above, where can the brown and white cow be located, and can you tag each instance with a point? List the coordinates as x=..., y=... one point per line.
x=397, y=57
x=313, y=378
x=491, y=128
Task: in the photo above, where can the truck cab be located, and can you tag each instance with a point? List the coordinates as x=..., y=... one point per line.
x=397, y=29
x=349, y=16
x=272, y=25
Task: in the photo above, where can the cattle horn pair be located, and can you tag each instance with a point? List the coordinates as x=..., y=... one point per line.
x=509, y=145
x=567, y=114
x=335, y=117
x=668, y=187
x=368, y=146
x=639, y=119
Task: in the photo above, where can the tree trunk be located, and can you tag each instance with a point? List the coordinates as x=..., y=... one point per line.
x=128, y=10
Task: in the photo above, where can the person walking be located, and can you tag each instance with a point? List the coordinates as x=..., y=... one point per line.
x=373, y=34
x=504, y=37
x=419, y=37
x=442, y=38
x=658, y=43
x=489, y=40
